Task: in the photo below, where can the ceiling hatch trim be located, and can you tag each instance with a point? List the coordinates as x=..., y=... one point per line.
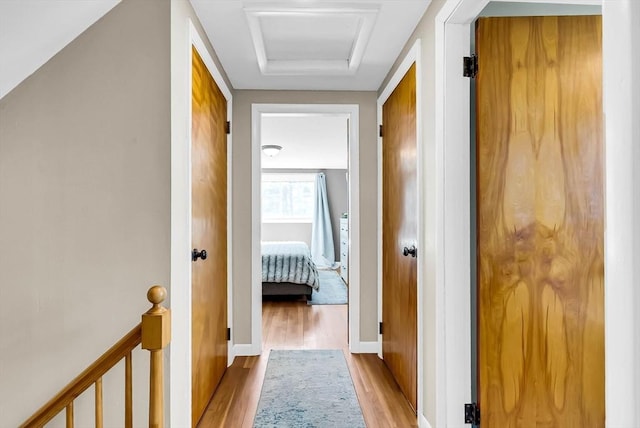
x=302, y=41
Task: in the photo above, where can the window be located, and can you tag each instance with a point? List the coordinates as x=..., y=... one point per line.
x=288, y=198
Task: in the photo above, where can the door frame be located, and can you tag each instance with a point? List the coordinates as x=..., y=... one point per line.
x=413, y=56
x=352, y=110
x=452, y=175
x=179, y=370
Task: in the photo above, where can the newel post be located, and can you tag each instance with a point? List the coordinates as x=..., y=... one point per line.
x=156, y=334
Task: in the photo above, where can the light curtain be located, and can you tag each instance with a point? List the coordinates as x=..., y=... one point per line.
x=322, y=249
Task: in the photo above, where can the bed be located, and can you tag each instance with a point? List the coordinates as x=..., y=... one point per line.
x=287, y=269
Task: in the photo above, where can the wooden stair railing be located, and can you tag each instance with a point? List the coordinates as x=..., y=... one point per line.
x=154, y=332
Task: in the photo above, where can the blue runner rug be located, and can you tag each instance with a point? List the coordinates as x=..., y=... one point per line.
x=310, y=388
x=332, y=290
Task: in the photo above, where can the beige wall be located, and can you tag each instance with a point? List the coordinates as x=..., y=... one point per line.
x=426, y=32
x=338, y=195
x=242, y=199
x=84, y=207
x=287, y=232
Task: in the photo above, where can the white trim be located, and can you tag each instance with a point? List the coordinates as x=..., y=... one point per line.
x=421, y=241
x=439, y=324
x=230, y=354
x=423, y=422
x=354, y=222
x=180, y=349
x=621, y=92
x=365, y=348
x=379, y=220
x=352, y=111
x=562, y=2
x=256, y=230
x=180, y=294
x=245, y=350
x=453, y=304
x=413, y=56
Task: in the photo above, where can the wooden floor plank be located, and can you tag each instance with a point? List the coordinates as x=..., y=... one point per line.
x=296, y=325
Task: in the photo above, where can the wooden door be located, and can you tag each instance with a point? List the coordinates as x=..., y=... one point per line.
x=209, y=222
x=540, y=222
x=399, y=230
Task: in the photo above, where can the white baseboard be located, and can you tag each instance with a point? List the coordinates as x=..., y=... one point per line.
x=246, y=350
x=249, y=349
x=423, y=422
x=231, y=354
x=365, y=348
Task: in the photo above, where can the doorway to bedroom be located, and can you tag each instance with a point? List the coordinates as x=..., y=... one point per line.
x=304, y=216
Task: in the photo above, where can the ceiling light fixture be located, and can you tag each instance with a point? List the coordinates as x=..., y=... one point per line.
x=271, y=150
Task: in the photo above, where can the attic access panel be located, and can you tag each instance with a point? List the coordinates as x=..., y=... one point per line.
x=310, y=41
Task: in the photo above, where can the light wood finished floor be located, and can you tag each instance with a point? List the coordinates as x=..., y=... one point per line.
x=295, y=325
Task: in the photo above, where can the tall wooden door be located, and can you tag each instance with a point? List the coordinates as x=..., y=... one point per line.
x=399, y=232
x=209, y=233
x=540, y=222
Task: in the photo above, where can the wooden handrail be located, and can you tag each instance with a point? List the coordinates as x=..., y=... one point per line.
x=154, y=332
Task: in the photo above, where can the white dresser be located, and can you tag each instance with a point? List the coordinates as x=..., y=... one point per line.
x=344, y=249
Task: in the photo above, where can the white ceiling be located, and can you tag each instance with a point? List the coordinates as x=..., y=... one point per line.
x=33, y=31
x=309, y=141
x=291, y=44
x=320, y=45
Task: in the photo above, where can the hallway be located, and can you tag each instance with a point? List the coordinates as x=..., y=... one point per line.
x=296, y=325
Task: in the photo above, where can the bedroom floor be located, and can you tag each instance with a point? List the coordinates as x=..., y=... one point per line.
x=296, y=325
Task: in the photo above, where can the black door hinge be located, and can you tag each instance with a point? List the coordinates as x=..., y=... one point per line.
x=380, y=328
x=227, y=127
x=228, y=333
x=470, y=66
x=380, y=132
x=472, y=414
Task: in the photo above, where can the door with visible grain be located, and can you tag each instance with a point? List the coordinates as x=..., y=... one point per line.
x=540, y=185
x=399, y=230
x=209, y=232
